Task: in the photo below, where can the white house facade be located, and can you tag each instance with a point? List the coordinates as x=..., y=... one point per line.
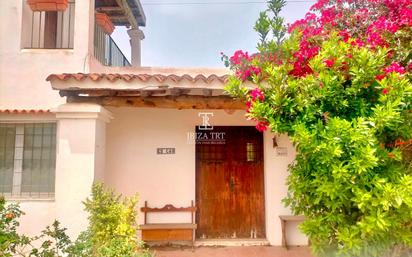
x=74, y=111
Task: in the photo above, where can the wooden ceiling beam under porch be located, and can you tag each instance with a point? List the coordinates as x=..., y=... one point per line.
x=147, y=90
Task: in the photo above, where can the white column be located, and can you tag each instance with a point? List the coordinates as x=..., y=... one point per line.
x=83, y=27
x=136, y=37
x=80, y=160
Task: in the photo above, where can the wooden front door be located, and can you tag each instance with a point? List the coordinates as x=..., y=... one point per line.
x=230, y=183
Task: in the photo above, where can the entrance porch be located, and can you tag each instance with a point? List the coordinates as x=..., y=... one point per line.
x=142, y=142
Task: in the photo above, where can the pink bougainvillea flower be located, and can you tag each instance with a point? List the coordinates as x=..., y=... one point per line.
x=358, y=42
x=329, y=62
x=395, y=67
x=245, y=73
x=383, y=24
x=410, y=66
x=262, y=126
x=344, y=35
x=248, y=106
x=379, y=77
x=320, y=4
x=405, y=16
x=239, y=57
x=257, y=94
x=375, y=39
x=328, y=16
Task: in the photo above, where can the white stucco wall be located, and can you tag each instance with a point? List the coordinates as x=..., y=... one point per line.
x=23, y=72
x=132, y=165
x=80, y=161
x=23, y=84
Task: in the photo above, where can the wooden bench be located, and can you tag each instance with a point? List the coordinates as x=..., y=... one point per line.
x=168, y=232
x=283, y=220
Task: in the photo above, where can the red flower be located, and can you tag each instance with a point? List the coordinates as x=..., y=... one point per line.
x=410, y=66
x=395, y=67
x=358, y=43
x=239, y=57
x=344, y=35
x=257, y=94
x=329, y=62
x=245, y=73
x=399, y=143
x=262, y=126
x=379, y=77
x=385, y=91
x=391, y=155
x=248, y=105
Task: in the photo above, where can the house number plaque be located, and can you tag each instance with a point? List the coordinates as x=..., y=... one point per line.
x=166, y=150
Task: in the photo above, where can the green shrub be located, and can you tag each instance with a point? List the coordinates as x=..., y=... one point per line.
x=9, y=237
x=54, y=242
x=112, y=227
x=112, y=231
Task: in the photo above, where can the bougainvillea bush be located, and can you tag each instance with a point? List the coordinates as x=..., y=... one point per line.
x=338, y=82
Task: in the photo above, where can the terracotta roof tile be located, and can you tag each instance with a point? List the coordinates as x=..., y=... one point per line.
x=142, y=77
x=24, y=111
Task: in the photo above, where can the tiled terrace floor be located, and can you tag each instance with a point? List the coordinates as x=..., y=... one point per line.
x=242, y=251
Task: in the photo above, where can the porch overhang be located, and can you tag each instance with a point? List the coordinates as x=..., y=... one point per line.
x=156, y=90
x=123, y=12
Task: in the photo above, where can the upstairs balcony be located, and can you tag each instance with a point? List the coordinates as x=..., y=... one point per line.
x=106, y=50
x=111, y=13
x=52, y=27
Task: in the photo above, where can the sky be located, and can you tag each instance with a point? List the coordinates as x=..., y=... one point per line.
x=192, y=33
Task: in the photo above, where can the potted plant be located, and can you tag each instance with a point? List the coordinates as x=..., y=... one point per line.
x=48, y=5
x=104, y=22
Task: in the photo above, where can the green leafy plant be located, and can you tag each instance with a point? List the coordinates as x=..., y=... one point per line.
x=112, y=225
x=54, y=242
x=82, y=247
x=340, y=87
x=9, y=238
x=111, y=232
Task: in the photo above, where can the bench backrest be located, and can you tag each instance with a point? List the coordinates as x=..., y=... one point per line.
x=169, y=208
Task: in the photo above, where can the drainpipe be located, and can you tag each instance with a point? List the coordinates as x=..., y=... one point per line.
x=136, y=37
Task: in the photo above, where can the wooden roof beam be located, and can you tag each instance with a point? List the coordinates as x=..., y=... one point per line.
x=109, y=9
x=118, y=17
x=130, y=17
x=172, y=102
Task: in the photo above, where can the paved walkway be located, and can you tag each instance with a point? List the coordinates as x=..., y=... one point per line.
x=243, y=251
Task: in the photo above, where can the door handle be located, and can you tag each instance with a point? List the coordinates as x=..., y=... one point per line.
x=232, y=184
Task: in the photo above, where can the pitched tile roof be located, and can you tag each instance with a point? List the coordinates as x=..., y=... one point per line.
x=140, y=77
x=24, y=111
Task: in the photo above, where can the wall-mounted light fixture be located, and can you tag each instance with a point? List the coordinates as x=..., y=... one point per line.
x=275, y=142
